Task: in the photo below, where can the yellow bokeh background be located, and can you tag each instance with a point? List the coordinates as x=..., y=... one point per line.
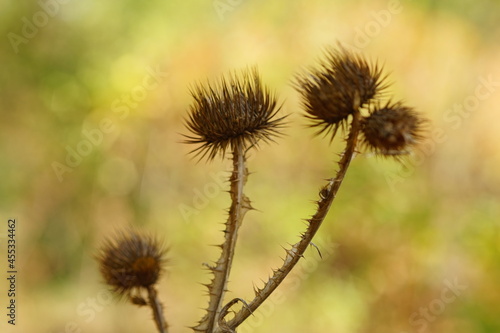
x=405, y=248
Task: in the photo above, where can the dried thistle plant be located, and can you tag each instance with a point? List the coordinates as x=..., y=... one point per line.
x=334, y=96
x=131, y=264
x=236, y=114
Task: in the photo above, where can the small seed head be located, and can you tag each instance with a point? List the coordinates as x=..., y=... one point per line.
x=130, y=261
x=392, y=129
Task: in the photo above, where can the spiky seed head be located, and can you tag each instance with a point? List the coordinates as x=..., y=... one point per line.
x=392, y=129
x=236, y=112
x=130, y=261
x=342, y=84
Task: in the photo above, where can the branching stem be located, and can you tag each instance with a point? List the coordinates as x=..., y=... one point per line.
x=327, y=195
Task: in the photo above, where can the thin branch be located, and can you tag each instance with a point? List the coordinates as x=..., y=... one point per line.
x=239, y=206
x=222, y=321
x=156, y=306
x=327, y=195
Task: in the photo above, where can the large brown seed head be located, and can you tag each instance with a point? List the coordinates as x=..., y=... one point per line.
x=344, y=82
x=238, y=111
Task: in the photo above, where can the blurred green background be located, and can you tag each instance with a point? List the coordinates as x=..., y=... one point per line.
x=104, y=86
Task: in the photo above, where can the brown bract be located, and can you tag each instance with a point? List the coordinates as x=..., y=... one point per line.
x=130, y=261
x=236, y=112
x=342, y=84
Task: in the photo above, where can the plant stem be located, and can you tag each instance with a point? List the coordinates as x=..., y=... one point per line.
x=327, y=195
x=156, y=306
x=240, y=204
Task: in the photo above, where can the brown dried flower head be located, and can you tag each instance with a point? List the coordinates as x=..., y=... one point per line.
x=130, y=261
x=344, y=82
x=236, y=112
x=392, y=129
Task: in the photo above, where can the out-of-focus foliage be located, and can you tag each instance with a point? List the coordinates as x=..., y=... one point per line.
x=92, y=100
